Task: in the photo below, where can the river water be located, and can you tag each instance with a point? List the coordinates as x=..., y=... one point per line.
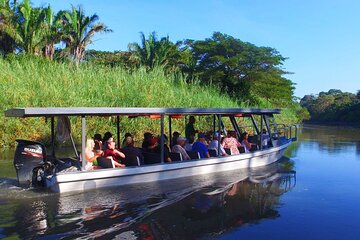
x=311, y=193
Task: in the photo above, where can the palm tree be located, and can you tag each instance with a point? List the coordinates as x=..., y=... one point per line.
x=29, y=26
x=153, y=52
x=7, y=15
x=53, y=33
x=79, y=29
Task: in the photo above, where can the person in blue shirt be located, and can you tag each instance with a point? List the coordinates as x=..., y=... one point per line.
x=200, y=147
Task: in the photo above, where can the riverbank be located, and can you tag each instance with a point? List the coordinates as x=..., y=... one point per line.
x=36, y=82
x=333, y=123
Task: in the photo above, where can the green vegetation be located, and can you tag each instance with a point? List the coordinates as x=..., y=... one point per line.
x=333, y=106
x=220, y=71
x=35, y=82
x=36, y=30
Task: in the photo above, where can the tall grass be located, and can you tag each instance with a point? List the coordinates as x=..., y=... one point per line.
x=32, y=82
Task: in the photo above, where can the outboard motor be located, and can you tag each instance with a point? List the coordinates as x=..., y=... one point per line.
x=30, y=163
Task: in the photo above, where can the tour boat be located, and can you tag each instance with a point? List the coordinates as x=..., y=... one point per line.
x=36, y=168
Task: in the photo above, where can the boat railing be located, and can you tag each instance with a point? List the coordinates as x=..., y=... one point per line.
x=287, y=131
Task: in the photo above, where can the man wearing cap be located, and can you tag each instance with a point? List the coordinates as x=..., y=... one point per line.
x=214, y=144
x=200, y=147
x=112, y=153
x=179, y=148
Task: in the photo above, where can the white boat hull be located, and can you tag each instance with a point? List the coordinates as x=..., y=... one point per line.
x=87, y=180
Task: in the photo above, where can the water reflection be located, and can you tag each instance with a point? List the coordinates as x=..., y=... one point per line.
x=331, y=139
x=177, y=209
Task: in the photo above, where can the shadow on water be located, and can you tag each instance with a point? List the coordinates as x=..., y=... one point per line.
x=194, y=207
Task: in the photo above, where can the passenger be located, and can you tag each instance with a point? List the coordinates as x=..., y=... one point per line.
x=124, y=141
x=91, y=155
x=174, y=138
x=149, y=142
x=245, y=142
x=179, y=148
x=231, y=142
x=106, y=137
x=129, y=149
x=98, y=141
x=265, y=138
x=157, y=149
x=214, y=144
x=112, y=153
x=189, y=129
x=200, y=147
x=205, y=139
x=189, y=143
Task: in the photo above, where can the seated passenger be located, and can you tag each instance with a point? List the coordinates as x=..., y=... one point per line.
x=174, y=138
x=106, y=137
x=124, y=141
x=112, y=153
x=189, y=143
x=129, y=149
x=204, y=140
x=98, y=141
x=214, y=144
x=91, y=155
x=179, y=148
x=245, y=142
x=265, y=138
x=157, y=149
x=200, y=147
x=231, y=142
x=149, y=143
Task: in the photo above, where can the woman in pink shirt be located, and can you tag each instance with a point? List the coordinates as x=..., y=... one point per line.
x=231, y=142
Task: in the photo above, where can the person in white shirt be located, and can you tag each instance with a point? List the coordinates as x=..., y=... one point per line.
x=189, y=143
x=214, y=144
x=179, y=148
x=91, y=155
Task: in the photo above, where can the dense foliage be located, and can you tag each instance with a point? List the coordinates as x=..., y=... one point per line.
x=241, y=69
x=37, y=82
x=333, y=106
x=40, y=46
x=36, y=30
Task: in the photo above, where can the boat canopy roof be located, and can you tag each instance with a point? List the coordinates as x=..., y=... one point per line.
x=116, y=111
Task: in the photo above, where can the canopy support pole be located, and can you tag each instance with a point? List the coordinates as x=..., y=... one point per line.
x=118, y=131
x=83, y=142
x=162, y=138
x=170, y=135
x=261, y=133
x=214, y=123
x=52, y=137
x=219, y=138
x=254, y=123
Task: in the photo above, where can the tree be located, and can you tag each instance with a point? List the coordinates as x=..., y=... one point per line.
x=241, y=69
x=79, y=30
x=52, y=32
x=7, y=27
x=333, y=106
x=152, y=52
x=29, y=27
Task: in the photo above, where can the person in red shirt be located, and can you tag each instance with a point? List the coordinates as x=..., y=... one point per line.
x=112, y=153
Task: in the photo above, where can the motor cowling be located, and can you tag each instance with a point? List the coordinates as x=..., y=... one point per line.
x=29, y=162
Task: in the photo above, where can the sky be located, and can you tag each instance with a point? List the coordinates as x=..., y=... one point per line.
x=320, y=38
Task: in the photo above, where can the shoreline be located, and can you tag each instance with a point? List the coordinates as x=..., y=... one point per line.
x=332, y=123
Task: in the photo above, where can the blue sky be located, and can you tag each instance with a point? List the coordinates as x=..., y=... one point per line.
x=321, y=38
